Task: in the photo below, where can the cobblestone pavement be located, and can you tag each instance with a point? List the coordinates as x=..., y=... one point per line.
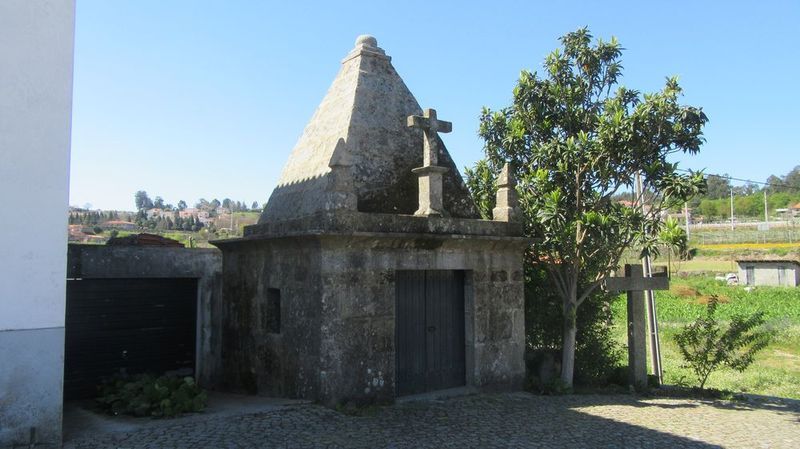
x=485, y=421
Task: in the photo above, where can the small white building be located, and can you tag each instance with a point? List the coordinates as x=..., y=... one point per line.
x=771, y=272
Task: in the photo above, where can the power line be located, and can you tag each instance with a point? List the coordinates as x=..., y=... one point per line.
x=750, y=181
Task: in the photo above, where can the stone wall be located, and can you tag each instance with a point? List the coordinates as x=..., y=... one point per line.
x=100, y=261
x=257, y=361
x=338, y=319
x=358, y=358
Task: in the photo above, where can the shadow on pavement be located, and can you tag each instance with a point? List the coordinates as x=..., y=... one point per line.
x=504, y=420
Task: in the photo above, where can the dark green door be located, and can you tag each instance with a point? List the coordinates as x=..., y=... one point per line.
x=429, y=330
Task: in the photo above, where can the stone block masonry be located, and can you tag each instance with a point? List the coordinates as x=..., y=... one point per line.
x=369, y=192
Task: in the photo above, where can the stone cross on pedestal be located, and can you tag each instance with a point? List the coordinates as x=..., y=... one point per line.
x=430, y=174
x=635, y=284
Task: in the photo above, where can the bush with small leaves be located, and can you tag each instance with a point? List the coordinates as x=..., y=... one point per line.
x=148, y=395
x=707, y=346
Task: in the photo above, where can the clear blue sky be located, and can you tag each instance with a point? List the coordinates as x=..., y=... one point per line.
x=191, y=99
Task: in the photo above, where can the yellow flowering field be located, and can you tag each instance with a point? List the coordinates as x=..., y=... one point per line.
x=750, y=245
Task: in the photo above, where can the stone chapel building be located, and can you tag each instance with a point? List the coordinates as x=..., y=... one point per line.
x=370, y=274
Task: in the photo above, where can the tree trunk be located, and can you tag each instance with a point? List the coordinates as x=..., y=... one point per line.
x=568, y=344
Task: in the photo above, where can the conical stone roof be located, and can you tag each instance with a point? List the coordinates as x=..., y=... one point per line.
x=363, y=117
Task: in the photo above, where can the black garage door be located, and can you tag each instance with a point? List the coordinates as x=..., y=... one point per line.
x=127, y=325
x=430, y=344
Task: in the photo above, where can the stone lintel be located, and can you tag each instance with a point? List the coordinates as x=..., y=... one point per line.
x=351, y=221
x=391, y=239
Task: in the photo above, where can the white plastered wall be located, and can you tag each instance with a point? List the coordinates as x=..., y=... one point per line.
x=36, y=65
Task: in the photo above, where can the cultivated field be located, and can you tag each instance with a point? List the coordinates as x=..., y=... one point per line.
x=775, y=232
x=776, y=371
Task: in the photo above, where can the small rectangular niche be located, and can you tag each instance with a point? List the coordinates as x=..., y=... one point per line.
x=272, y=311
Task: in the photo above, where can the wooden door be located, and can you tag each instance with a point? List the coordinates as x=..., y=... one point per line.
x=429, y=328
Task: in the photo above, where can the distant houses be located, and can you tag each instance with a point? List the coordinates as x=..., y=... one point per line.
x=90, y=224
x=201, y=215
x=120, y=225
x=82, y=234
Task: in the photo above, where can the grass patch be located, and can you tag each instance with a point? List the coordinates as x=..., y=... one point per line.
x=706, y=265
x=776, y=371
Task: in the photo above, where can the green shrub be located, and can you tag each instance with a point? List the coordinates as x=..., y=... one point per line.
x=597, y=354
x=148, y=395
x=706, y=346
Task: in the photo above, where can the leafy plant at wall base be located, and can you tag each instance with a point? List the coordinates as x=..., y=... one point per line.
x=148, y=395
x=707, y=347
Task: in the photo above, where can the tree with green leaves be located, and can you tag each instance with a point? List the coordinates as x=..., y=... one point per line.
x=482, y=183
x=158, y=203
x=143, y=202
x=718, y=186
x=674, y=237
x=574, y=139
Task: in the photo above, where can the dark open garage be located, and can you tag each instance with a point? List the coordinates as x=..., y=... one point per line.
x=127, y=326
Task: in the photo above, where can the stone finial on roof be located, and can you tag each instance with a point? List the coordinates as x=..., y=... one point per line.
x=507, y=200
x=340, y=157
x=341, y=194
x=366, y=45
x=366, y=40
x=430, y=174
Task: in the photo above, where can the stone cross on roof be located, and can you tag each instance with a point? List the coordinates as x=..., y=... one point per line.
x=430, y=125
x=430, y=174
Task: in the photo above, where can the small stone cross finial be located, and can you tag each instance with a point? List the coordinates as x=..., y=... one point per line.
x=506, y=200
x=430, y=174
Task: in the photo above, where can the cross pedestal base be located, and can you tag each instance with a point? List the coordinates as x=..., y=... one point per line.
x=431, y=202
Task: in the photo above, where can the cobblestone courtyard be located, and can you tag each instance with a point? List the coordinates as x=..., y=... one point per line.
x=492, y=421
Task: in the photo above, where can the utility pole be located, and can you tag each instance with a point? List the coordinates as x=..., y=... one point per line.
x=686, y=216
x=731, y=209
x=766, y=216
